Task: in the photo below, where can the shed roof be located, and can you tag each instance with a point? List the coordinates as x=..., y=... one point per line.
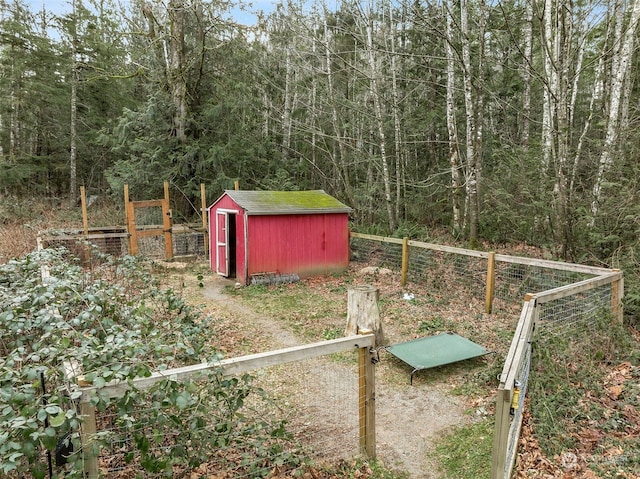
x=287, y=202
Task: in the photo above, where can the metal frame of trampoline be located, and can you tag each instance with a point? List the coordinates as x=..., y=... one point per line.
x=433, y=351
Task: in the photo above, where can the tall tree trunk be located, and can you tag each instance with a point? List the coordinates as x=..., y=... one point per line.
x=286, y=109
x=596, y=97
x=377, y=108
x=177, y=73
x=340, y=166
x=73, y=182
x=561, y=59
x=397, y=125
x=470, y=114
x=548, y=108
x=454, y=156
x=526, y=75
x=622, y=63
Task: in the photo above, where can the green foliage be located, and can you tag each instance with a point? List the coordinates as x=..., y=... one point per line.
x=566, y=369
x=116, y=323
x=465, y=452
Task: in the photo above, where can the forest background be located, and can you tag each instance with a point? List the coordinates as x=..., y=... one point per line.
x=502, y=122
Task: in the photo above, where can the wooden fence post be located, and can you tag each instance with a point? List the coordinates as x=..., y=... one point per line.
x=366, y=401
x=491, y=283
x=203, y=198
x=167, y=224
x=88, y=432
x=363, y=313
x=405, y=261
x=130, y=217
x=83, y=204
x=617, y=293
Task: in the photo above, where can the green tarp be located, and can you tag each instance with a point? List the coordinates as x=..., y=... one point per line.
x=433, y=351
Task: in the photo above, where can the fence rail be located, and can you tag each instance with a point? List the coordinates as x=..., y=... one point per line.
x=556, y=295
x=365, y=383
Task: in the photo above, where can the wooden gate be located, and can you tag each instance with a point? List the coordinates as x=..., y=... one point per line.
x=164, y=230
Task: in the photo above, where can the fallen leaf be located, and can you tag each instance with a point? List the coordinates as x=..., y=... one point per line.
x=614, y=391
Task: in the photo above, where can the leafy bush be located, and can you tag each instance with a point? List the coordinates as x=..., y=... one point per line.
x=116, y=323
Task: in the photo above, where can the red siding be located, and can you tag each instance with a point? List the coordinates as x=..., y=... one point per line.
x=226, y=203
x=302, y=244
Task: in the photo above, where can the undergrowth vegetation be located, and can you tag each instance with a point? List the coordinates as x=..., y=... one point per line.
x=584, y=398
x=111, y=320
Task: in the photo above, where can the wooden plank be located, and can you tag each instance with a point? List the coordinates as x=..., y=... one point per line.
x=579, y=287
x=83, y=203
x=146, y=233
x=370, y=406
x=131, y=222
x=203, y=199
x=362, y=401
x=405, y=261
x=558, y=265
x=148, y=203
x=239, y=365
x=87, y=435
x=501, y=433
x=381, y=239
x=166, y=223
x=521, y=345
x=491, y=283
x=449, y=249
x=520, y=328
x=79, y=236
x=617, y=294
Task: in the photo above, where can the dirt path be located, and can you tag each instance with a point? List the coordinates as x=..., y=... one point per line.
x=409, y=419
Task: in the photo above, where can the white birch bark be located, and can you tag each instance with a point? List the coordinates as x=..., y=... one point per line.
x=286, y=110
x=622, y=63
x=454, y=156
x=550, y=85
x=470, y=114
x=377, y=108
x=397, y=125
x=526, y=75
x=73, y=134
x=596, y=97
x=340, y=167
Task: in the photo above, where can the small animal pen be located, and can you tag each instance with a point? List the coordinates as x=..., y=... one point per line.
x=148, y=230
x=278, y=235
x=556, y=296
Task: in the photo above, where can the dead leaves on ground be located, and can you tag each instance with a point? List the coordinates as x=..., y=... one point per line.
x=594, y=448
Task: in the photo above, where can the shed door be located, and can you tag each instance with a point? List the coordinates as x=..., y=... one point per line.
x=222, y=243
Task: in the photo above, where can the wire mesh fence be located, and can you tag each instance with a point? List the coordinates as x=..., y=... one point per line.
x=186, y=241
x=582, y=310
x=560, y=300
x=291, y=417
x=515, y=280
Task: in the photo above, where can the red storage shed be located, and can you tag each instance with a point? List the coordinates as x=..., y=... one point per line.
x=254, y=234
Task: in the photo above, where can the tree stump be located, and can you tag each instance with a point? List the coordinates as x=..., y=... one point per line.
x=363, y=312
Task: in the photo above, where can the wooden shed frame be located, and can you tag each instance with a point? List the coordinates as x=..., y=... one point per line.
x=277, y=233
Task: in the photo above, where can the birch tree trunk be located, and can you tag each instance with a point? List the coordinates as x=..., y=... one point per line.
x=526, y=75
x=470, y=113
x=286, y=110
x=550, y=80
x=73, y=133
x=377, y=108
x=454, y=156
x=340, y=167
x=622, y=64
x=397, y=125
